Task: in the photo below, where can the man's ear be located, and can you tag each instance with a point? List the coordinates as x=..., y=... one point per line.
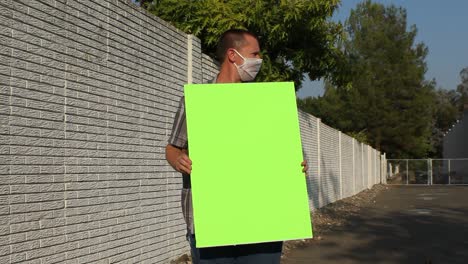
x=231, y=55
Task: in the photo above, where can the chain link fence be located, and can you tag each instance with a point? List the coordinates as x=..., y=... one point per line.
x=427, y=171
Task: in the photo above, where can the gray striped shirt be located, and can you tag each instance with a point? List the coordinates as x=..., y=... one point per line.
x=178, y=139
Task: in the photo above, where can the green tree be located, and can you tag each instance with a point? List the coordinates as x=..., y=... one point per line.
x=448, y=107
x=390, y=102
x=331, y=108
x=445, y=114
x=296, y=37
x=389, y=82
x=462, y=89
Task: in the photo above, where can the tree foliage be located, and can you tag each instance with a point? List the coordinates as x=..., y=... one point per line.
x=445, y=114
x=390, y=101
x=462, y=89
x=449, y=106
x=296, y=37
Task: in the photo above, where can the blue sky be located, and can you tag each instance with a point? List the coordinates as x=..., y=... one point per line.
x=442, y=26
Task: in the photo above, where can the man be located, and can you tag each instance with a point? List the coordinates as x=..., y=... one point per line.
x=239, y=54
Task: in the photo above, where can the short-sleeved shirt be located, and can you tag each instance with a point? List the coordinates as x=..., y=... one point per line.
x=179, y=139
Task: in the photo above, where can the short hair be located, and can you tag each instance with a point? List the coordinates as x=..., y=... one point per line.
x=233, y=38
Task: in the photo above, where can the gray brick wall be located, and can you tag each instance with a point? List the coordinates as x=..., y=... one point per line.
x=88, y=93
x=209, y=68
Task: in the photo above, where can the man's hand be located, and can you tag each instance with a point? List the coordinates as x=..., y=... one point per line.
x=183, y=163
x=178, y=159
x=304, y=167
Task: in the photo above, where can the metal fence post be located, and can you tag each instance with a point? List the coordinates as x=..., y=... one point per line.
x=449, y=172
x=372, y=177
x=354, y=169
x=369, y=176
x=377, y=163
x=362, y=166
x=320, y=199
x=407, y=173
x=341, y=164
x=374, y=158
x=385, y=164
x=369, y=166
x=429, y=171
x=381, y=168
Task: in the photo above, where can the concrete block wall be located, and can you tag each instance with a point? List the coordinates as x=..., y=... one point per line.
x=88, y=93
x=209, y=68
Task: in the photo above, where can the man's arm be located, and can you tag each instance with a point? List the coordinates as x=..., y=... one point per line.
x=178, y=159
x=176, y=149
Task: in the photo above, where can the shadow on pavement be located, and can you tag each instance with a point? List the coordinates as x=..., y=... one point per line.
x=408, y=224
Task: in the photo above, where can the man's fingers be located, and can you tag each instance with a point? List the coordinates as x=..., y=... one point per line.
x=186, y=164
x=184, y=168
x=186, y=159
x=304, y=167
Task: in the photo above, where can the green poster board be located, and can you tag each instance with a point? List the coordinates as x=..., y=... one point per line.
x=247, y=180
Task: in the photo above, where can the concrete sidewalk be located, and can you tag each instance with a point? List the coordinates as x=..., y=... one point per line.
x=406, y=224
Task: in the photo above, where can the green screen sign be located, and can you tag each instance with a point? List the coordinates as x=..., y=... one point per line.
x=247, y=181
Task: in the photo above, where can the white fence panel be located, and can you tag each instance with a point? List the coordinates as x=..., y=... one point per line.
x=358, y=167
x=308, y=124
x=366, y=167
x=329, y=165
x=347, y=165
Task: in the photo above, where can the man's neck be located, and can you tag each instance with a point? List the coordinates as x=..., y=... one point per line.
x=228, y=74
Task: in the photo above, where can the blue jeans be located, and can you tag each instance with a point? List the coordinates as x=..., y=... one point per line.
x=261, y=253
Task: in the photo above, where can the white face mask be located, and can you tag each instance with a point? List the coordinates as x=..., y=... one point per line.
x=249, y=69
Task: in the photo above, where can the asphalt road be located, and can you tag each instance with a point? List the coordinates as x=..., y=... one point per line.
x=406, y=224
